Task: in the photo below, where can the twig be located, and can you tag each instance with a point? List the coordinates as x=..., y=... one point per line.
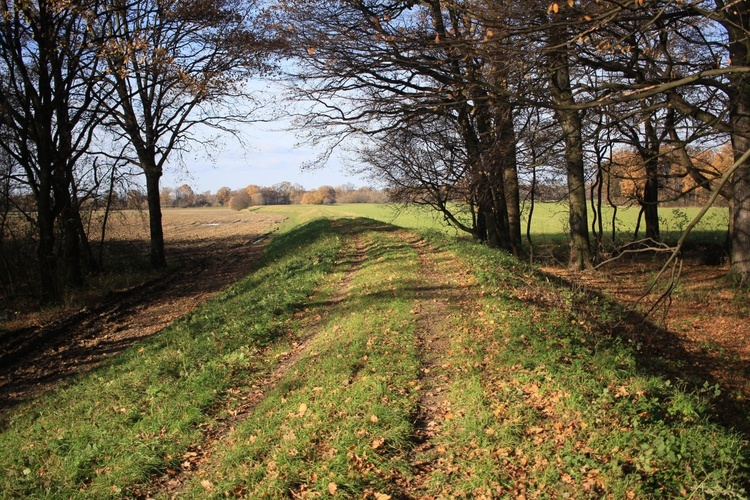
x=677, y=248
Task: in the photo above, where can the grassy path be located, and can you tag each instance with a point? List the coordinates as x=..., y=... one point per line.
x=364, y=361
x=198, y=459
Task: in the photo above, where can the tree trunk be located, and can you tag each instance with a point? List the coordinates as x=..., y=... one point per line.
x=651, y=199
x=570, y=122
x=740, y=215
x=740, y=117
x=650, y=203
x=50, y=292
x=158, y=257
x=580, y=251
x=506, y=138
x=71, y=256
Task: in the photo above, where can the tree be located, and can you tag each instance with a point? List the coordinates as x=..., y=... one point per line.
x=240, y=200
x=175, y=65
x=48, y=113
x=223, y=195
x=166, y=197
x=384, y=70
x=184, y=196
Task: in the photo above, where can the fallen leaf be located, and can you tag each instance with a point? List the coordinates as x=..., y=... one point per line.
x=374, y=418
x=332, y=487
x=207, y=485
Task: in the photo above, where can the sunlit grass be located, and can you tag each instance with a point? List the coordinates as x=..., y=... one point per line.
x=544, y=400
x=340, y=420
x=549, y=221
x=105, y=432
x=547, y=402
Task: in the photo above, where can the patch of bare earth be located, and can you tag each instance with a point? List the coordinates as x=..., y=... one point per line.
x=198, y=460
x=443, y=290
x=706, y=325
x=207, y=250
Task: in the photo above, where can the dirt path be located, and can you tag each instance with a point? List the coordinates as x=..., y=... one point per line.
x=442, y=294
x=198, y=460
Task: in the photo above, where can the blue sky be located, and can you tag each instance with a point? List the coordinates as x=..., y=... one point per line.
x=269, y=156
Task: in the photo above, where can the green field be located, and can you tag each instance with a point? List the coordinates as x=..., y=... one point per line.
x=549, y=222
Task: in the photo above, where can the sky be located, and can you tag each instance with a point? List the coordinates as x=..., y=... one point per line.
x=270, y=156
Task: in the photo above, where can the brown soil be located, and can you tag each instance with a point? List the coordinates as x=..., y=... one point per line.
x=704, y=324
x=207, y=249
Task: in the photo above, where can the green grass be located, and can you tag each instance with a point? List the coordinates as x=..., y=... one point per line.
x=549, y=223
x=544, y=400
x=105, y=432
x=341, y=418
x=548, y=403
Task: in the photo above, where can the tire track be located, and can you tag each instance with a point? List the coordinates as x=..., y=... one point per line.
x=197, y=459
x=442, y=293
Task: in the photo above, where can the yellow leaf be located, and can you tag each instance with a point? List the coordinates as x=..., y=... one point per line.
x=374, y=418
x=570, y=3
x=332, y=487
x=382, y=496
x=207, y=485
x=302, y=409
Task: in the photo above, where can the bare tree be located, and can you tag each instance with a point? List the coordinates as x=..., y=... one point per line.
x=175, y=66
x=50, y=77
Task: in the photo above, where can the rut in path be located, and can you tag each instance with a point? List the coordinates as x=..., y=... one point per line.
x=198, y=458
x=443, y=293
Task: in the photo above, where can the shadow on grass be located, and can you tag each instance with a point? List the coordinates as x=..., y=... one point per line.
x=660, y=352
x=34, y=359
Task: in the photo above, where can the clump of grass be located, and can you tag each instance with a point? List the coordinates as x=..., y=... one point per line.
x=113, y=428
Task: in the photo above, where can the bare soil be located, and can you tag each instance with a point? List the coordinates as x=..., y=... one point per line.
x=207, y=250
x=704, y=325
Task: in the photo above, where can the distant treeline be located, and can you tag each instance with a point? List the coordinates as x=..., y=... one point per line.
x=283, y=193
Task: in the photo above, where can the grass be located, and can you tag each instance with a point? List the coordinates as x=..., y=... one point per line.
x=544, y=400
x=551, y=404
x=549, y=224
x=109, y=430
x=341, y=419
